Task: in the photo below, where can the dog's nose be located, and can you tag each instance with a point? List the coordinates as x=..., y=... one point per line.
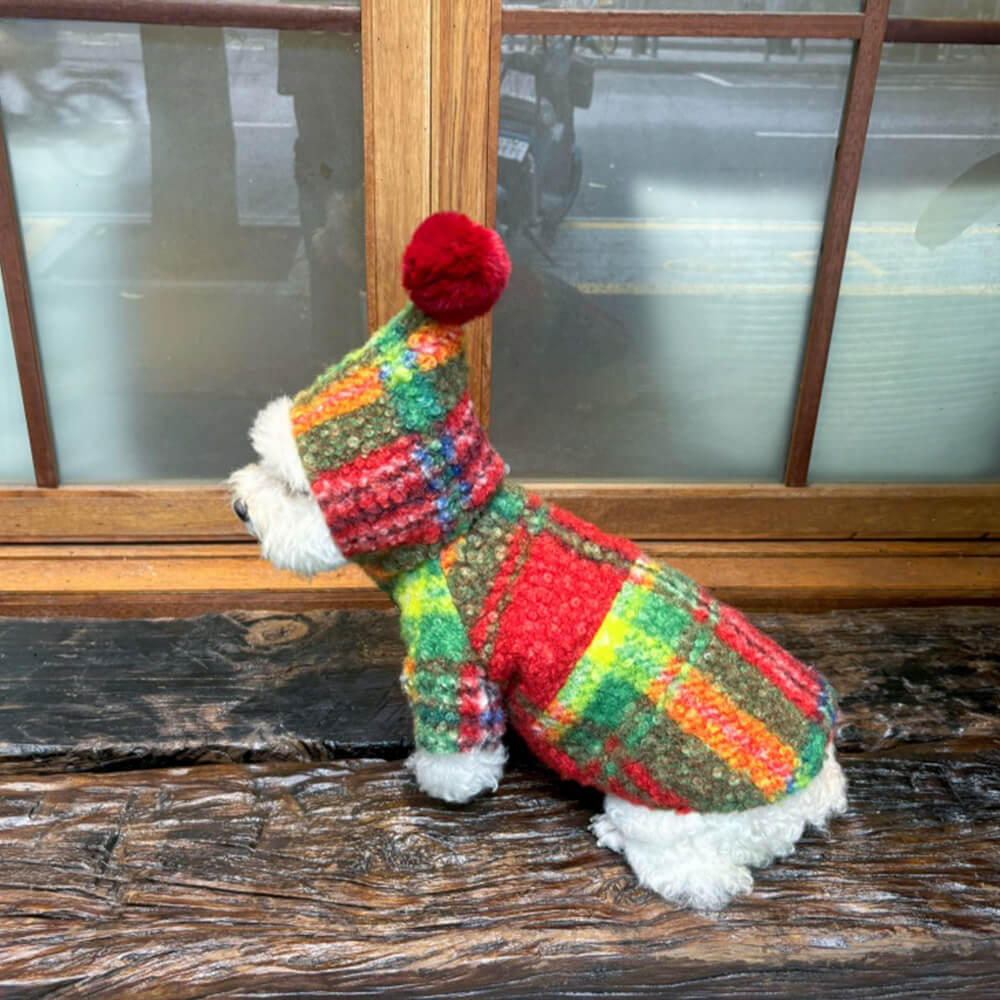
x=240, y=510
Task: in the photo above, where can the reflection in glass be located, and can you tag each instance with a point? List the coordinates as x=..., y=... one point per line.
x=654, y=328
x=913, y=385
x=194, y=231
x=15, y=456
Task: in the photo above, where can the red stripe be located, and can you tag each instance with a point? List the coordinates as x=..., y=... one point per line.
x=663, y=797
x=415, y=524
x=461, y=418
x=353, y=492
x=483, y=476
x=471, y=705
x=794, y=669
x=482, y=468
x=551, y=756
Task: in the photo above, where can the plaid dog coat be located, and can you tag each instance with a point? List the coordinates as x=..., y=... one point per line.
x=618, y=673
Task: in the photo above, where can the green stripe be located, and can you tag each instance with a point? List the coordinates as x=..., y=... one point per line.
x=335, y=442
x=481, y=552
x=431, y=626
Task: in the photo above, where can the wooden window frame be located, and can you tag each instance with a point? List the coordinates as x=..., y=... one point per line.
x=426, y=66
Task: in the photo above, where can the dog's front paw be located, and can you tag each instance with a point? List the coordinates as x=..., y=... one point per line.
x=458, y=777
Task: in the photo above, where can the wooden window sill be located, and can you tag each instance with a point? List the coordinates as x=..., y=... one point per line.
x=182, y=580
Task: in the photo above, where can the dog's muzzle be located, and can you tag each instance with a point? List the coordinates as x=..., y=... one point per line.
x=240, y=510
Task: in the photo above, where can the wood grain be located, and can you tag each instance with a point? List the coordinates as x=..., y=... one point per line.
x=465, y=90
x=181, y=581
x=651, y=511
x=14, y=269
x=203, y=13
x=396, y=75
x=944, y=30
x=639, y=510
x=340, y=879
x=836, y=232
x=527, y=21
x=234, y=687
x=93, y=695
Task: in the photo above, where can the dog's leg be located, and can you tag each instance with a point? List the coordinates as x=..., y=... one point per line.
x=702, y=860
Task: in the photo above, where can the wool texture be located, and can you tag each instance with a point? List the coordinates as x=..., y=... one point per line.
x=617, y=672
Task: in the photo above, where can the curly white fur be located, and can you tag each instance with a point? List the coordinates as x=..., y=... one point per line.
x=458, y=777
x=271, y=436
x=703, y=859
x=283, y=514
x=289, y=526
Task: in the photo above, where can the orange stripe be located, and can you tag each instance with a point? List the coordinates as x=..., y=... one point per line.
x=338, y=398
x=742, y=741
x=657, y=690
x=449, y=555
x=434, y=345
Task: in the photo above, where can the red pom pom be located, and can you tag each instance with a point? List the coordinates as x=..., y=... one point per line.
x=454, y=269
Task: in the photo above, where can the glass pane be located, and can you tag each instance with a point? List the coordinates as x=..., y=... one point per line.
x=913, y=387
x=193, y=208
x=770, y=6
x=657, y=330
x=978, y=9
x=15, y=456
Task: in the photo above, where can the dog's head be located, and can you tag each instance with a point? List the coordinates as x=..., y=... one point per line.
x=273, y=498
x=383, y=451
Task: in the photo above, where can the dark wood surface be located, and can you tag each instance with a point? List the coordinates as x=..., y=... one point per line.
x=244, y=686
x=111, y=694
x=341, y=880
x=296, y=872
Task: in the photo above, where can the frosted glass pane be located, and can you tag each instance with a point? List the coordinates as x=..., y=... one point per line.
x=15, y=455
x=657, y=331
x=192, y=206
x=913, y=386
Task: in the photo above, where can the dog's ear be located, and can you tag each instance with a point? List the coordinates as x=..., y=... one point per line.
x=271, y=437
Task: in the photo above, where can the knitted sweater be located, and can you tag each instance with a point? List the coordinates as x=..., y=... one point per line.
x=618, y=673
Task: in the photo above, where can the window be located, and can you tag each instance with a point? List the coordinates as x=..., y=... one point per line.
x=726, y=317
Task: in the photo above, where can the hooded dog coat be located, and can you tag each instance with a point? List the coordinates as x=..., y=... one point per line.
x=618, y=673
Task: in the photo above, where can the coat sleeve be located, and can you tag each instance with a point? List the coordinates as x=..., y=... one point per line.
x=456, y=709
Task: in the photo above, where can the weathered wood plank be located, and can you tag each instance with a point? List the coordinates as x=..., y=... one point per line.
x=341, y=879
x=246, y=686
x=243, y=686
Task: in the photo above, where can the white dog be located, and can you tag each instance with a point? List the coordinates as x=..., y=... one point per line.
x=714, y=745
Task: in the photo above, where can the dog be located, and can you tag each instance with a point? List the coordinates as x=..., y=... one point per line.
x=713, y=746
